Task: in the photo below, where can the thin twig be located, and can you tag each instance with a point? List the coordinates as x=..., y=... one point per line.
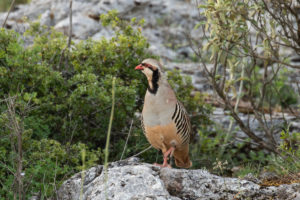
x=139, y=152
x=127, y=140
x=69, y=40
x=106, y=151
x=2, y=164
x=54, y=179
x=243, y=140
x=17, y=129
x=11, y=6
x=235, y=110
x=82, y=173
x=70, y=25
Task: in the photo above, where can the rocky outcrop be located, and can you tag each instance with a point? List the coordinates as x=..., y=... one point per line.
x=133, y=180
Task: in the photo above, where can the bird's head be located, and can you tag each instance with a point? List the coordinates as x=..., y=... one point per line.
x=153, y=71
x=149, y=66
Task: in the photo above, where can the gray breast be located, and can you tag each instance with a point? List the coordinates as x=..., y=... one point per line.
x=154, y=116
x=159, y=108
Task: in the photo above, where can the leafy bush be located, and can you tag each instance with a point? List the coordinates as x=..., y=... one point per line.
x=289, y=160
x=278, y=93
x=249, y=58
x=65, y=94
x=46, y=164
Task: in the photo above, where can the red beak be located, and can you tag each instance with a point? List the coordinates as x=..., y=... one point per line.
x=139, y=67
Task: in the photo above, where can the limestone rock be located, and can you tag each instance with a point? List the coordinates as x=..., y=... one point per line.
x=131, y=180
x=72, y=187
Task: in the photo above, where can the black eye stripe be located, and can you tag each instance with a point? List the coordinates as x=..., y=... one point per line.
x=148, y=66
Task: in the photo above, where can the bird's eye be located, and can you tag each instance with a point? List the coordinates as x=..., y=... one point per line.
x=147, y=65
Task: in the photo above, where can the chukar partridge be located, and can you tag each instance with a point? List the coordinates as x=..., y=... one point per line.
x=165, y=121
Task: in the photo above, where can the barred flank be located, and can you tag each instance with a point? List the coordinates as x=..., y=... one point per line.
x=182, y=122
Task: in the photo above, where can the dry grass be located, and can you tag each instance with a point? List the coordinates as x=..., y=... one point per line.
x=285, y=179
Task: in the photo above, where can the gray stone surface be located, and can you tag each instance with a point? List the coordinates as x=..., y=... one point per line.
x=131, y=180
x=71, y=188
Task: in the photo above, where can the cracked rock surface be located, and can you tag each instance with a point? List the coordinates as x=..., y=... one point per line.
x=132, y=180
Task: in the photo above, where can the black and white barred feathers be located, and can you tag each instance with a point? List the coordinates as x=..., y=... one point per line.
x=182, y=122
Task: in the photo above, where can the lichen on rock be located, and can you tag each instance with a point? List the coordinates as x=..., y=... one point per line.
x=130, y=180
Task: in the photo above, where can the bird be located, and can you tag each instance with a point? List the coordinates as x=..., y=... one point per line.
x=164, y=120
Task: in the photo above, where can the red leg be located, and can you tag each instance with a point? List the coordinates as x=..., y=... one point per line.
x=166, y=154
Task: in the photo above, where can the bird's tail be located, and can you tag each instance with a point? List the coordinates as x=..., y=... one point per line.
x=182, y=158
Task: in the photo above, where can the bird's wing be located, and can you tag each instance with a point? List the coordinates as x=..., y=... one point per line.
x=182, y=123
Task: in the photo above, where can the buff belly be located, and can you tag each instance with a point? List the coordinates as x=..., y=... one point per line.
x=163, y=137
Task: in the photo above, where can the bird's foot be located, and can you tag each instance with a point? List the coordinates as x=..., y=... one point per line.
x=169, y=152
x=166, y=158
x=165, y=163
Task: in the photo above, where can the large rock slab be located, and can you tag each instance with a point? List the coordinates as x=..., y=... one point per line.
x=131, y=180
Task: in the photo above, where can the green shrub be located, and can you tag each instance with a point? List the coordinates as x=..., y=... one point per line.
x=46, y=164
x=278, y=93
x=289, y=160
x=70, y=89
x=66, y=96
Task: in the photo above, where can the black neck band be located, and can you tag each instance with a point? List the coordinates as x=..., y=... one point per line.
x=155, y=78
